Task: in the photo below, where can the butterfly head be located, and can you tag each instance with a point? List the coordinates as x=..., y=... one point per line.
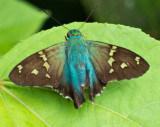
x=73, y=32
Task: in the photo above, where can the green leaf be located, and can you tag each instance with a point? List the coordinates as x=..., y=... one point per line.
x=18, y=20
x=127, y=103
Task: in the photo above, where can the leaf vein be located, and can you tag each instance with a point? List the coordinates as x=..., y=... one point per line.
x=142, y=106
x=117, y=114
x=7, y=109
x=20, y=101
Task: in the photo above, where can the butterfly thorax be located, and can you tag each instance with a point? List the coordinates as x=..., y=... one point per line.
x=76, y=47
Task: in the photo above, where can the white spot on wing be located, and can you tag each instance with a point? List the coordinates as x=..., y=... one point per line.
x=111, y=70
x=114, y=47
x=111, y=52
x=44, y=57
x=40, y=53
x=48, y=76
x=137, y=59
x=110, y=61
x=35, y=72
x=20, y=68
x=123, y=65
x=46, y=65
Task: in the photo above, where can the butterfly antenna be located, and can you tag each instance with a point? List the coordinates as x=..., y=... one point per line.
x=94, y=8
x=54, y=18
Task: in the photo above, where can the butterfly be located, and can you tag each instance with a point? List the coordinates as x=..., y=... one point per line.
x=76, y=64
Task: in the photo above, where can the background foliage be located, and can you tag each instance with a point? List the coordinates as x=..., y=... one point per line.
x=142, y=14
x=18, y=20
x=125, y=103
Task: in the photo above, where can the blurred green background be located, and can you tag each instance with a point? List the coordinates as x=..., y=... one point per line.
x=144, y=14
x=20, y=19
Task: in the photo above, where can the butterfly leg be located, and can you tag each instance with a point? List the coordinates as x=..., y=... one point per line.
x=66, y=38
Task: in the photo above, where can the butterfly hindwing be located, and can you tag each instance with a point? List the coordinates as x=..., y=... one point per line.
x=43, y=68
x=115, y=63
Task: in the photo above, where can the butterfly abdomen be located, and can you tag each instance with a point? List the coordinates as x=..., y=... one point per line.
x=81, y=70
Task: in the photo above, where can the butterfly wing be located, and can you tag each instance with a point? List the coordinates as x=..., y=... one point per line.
x=114, y=63
x=47, y=67
x=43, y=68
